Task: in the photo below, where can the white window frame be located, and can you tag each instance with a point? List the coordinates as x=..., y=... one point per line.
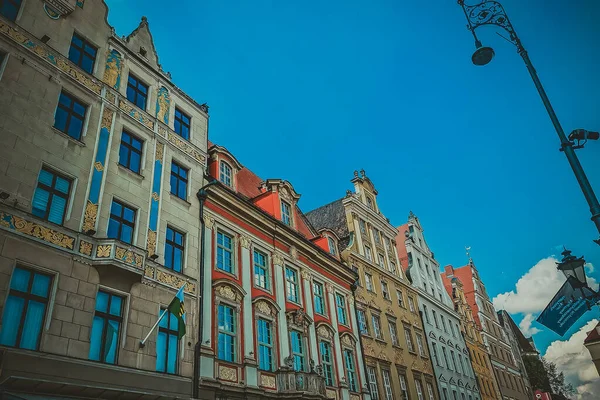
x=376, y=322
x=385, y=291
x=266, y=267
x=283, y=206
x=233, y=252
x=387, y=384
x=403, y=387
x=369, y=282
x=362, y=322
x=368, y=253
x=223, y=163
x=393, y=332
x=419, y=387
x=289, y=284
x=420, y=344
x=430, y=390
x=409, y=343
x=372, y=375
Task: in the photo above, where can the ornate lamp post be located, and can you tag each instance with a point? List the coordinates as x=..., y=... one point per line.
x=492, y=13
x=573, y=267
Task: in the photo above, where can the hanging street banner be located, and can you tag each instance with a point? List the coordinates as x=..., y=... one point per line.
x=567, y=306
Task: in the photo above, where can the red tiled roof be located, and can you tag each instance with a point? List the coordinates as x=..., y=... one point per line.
x=401, y=246
x=594, y=335
x=248, y=183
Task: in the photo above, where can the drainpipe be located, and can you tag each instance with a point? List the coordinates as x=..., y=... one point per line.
x=202, y=196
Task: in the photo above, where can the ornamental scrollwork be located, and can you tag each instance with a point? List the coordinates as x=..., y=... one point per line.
x=37, y=231
x=323, y=332
x=278, y=259
x=227, y=373
x=107, y=117
x=85, y=248
x=209, y=221
x=160, y=149
x=347, y=341
x=264, y=308
x=228, y=293
x=489, y=13
x=151, y=242
x=245, y=241
x=186, y=148
x=174, y=281
x=103, y=251
x=267, y=381
x=89, y=217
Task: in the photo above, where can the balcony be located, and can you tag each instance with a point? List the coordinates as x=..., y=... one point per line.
x=310, y=383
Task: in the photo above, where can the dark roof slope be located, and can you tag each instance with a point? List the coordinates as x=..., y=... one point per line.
x=593, y=335
x=522, y=341
x=331, y=216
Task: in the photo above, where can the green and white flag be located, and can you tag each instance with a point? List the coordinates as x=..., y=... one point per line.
x=178, y=310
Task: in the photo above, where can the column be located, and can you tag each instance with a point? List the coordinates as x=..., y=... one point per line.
x=284, y=340
x=359, y=355
x=312, y=332
x=336, y=341
x=248, y=331
x=357, y=233
x=207, y=362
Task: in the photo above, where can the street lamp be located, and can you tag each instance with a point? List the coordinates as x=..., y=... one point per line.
x=573, y=267
x=492, y=13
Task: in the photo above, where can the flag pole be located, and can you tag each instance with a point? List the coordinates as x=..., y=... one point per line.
x=143, y=342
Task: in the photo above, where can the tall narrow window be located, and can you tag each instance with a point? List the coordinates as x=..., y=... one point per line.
x=10, y=9
x=261, y=270
x=443, y=323
x=435, y=354
x=319, y=298
x=363, y=226
x=130, y=152
x=430, y=391
x=340, y=303
x=381, y=260
x=167, y=344
x=350, y=371
x=408, y=337
x=392, y=268
x=225, y=174
x=174, y=248
x=137, y=92
x=362, y=322
x=286, y=213
x=446, y=358
x=179, y=180
x=411, y=304
x=400, y=298
x=69, y=116
x=404, y=387
x=265, y=345
x=369, y=282
x=298, y=351
x=453, y=360
x=435, y=320
x=387, y=384
x=291, y=285
x=25, y=309
x=368, y=253
x=227, y=338
x=372, y=374
x=426, y=314
x=376, y=326
x=385, y=291
x=106, y=327
x=182, y=124
x=327, y=362
x=420, y=344
x=393, y=333
x=224, y=252
x=122, y=222
x=370, y=202
x=332, y=246
x=419, y=387
x=82, y=53
x=461, y=365
x=51, y=196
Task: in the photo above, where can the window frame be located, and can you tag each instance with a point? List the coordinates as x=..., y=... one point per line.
x=266, y=268
x=182, y=123
x=385, y=290
x=419, y=389
x=286, y=213
x=231, y=251
x=18, y=14
x=420, y=344
x=121, y=221
x=169, y=332
x=411, y=304
x=341, y=308
x=4, y=55
x=404, y=386
x=362, y=322
x=376, y=322
x=82, y=52
x=373, y=387
x=350, y=367
x=137, y=91
x=409, y=340
x=321, y=296
x=369, y=282
x=302, y=353
x=107, y=316
x=179, y=179
x=393, y=333
x=400, y=295
x=70, y=112
x=381, y=260
x=224, y=168
x=331, y=242
x=129, y=147
x=387, y=384
x=230, y=333
x=175, y=246
x=368, y=253
x=430, y=390
x=52, y=191
x=329, y=363
x=289, y=284
x=267, y=345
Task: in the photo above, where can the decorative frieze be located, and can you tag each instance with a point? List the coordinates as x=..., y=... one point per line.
x=267, y=381
x=163, y=104
x=227, y=373
x=186, y=147
x=245, y=241
x=175, y=281
x=136, y=114
x=32, y=229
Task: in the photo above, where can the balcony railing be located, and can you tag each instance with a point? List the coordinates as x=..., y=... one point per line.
x=290, y=381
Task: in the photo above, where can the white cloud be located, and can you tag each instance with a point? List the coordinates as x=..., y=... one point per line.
x=526, y=327
x=574, y=360
x=533, y=291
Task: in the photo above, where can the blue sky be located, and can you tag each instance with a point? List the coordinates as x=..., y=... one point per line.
x=309, y=91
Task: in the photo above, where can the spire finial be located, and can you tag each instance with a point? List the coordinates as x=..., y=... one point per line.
x=468, y=251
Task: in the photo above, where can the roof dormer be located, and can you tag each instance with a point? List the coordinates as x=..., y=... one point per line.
x=287, y=199
x=365, y=190
x=224, y=166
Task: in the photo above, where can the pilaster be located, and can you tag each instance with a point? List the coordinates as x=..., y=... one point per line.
x=207, y=364
x=249, y=356
x=284, y=340
x=312, y=333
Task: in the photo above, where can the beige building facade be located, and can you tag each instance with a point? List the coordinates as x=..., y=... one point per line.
x=396, y=357
x=99, y=224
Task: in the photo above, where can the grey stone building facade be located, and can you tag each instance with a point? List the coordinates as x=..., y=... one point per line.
x=521, y=347
x=450, y=356
x=100, y=161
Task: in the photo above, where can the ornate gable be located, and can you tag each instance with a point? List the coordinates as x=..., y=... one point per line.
x=141, y=43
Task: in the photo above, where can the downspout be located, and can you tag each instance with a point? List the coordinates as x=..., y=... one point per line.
x=202, y=196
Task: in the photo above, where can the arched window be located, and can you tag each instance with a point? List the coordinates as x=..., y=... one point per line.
x=225, y=174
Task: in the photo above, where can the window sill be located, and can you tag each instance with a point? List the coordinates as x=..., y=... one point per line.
x=233, y=275
x=380, y=340
x=75, y=141
x=262, y=289
x=129, y=172
x=397, y=346
x=179, y=199
x=413, y=353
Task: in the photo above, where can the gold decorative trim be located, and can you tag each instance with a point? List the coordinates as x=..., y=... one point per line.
x=136, y=114
x=149, y=271
x=151, y=242
x=98, y=166
x=35, y=230
x=155, y=196
x=245, y=241
x=107, y=117
x=89, y=217
x=103, y=251
x=185, y=147
x=174, y=281
x=228, y=373
x=129, y=256
x=160, y=150
x=110, y=97
x=85, y=248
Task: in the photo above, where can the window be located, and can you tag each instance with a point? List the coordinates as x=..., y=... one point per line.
x=385, y=291
x=369, y=282
x=430, y=391
x=224, y=252
x=381, y=260
x=291, y=285
x=121, y=223
x=419, y=389
x=179, y=180
x=370, y=202
x=319, y=298
x=261, y=270
x=182, y=124
x=409, y=342
x=420, y=344
x=51, y=196
x=25, y=309
x=393, y=333
x=227, y=333
x=446, y=358
x=137, y=92
x=70, y=115
x=340, y=303
x=454, y=395
x=298, y=350
x=392, y=268
x=372, y=374
x=461, y=365
x=332, y=246
x=82, y=53
x=445, y=391
x=443, y=323
x=435, y=354
x=174, y=247
x=435, y=320
x=327, y=362
x=426, y=314
x=411, y=304
x=265, y=345
x=376, y=322
x=130, y=152
x=377, y=236
x=387, y=384
x=362, y=322
x=106, y=327
x=286, y=213
x=403, y=387
x=400, y=298
x=167, y=344
x=363, y=226
x=225, y=174
x=368, y=253
x=350, y=372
